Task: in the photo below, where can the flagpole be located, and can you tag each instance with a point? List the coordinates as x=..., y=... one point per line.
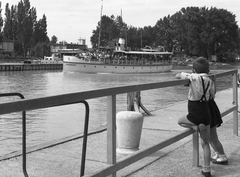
x=99, y=35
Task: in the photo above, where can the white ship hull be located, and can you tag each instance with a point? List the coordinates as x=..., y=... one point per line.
x=74, y=64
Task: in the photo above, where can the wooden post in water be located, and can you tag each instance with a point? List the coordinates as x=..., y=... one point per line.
x=134, y=102
x=130, y=101
x=131, y=98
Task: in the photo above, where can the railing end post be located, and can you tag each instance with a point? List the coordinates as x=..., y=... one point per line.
x=195, y=149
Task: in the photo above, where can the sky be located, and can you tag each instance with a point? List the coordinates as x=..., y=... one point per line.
x=70, y=20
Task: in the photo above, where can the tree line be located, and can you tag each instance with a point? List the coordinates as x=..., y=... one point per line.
x=20, y=25
x=195, y=31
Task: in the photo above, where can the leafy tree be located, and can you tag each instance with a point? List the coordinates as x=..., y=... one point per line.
x=226, y=38
x=164, y=33
x=134, y=38
x=109, y=31
x=8, y=27
x=140, y=37
x=179, y=32
x=26, y=17
x=205, y=32
x=42, y=49
x=238, y=43
x=148, y=36
x=121, y=26
x=40, y=31
x=1, y=21
x=22, y=27
x=43, y=23
x=11, y=26
x=194, y=20
x=54, y=40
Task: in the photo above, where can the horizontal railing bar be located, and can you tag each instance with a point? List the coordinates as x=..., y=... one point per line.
x=141, y=154
x=231, y=109
x=225, y=73
x=12, y=94
x=51, y=101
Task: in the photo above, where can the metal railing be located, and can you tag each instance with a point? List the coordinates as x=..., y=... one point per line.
x=23, y=131
x=85, y=133
x=116, y=166
x=110, y=93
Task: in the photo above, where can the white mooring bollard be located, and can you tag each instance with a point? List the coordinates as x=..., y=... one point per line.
x=129, y=129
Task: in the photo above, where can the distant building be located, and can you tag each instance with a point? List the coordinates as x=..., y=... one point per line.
x=82, y=41
x=60, y=49
x=6, y=46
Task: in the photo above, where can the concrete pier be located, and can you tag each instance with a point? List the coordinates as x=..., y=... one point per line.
x=63, y=160
x=26, y=67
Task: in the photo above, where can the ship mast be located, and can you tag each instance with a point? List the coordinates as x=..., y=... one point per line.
x=99, y=35
x=123, y=30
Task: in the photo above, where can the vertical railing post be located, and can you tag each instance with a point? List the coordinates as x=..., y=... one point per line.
x=85, y=136
x=111, y=130
x=24, y=148
x=235, y=102
x=195, y=137
x=24, y=134
x=130, y=101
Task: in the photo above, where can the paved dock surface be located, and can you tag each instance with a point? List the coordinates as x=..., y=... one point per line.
x=173, y=161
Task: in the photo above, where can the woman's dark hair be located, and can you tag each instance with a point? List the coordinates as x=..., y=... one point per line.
x=201, y=65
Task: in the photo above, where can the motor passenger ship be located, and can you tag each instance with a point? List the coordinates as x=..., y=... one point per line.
x=120, y=61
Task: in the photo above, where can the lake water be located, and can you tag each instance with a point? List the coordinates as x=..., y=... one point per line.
x=54, y=123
